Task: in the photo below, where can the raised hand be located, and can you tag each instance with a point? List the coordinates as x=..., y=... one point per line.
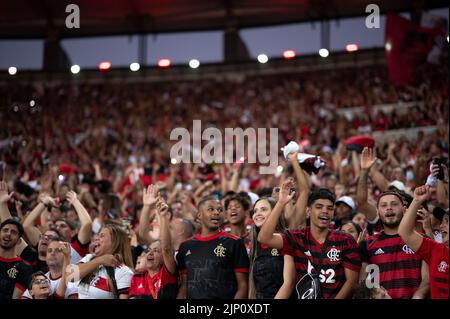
x=421, y=193
x=292, y=156
x=47, y=200
x=72, y=197
x=367, y=158
x=66, y=250
x=285, y=194
x=162, y=207
x=4, y=196
x=150, y=195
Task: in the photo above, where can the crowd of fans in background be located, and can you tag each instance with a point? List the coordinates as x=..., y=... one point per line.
x=87, y=180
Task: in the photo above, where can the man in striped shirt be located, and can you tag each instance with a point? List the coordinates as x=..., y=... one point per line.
x=316, y=249
x=434, y=253
x=401, y=272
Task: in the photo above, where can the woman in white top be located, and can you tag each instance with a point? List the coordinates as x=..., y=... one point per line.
x=107, y=273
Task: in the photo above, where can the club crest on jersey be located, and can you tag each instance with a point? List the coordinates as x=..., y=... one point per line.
x=220, y=251
x=333, y=254
x=442, y=266
x=407, y=250
x=12, y=272
x=274, y=252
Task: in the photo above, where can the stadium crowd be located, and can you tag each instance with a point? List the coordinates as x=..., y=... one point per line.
x=93, y=207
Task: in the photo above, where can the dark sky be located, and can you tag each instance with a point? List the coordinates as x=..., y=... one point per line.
x=204, y=46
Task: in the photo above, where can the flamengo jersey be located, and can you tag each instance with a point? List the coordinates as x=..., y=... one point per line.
x=78, y=250
x=163, y=285
x=99, y=287
x=400, y=267
x=341, y=251
x=72, y=288
x=436, y=256
x=210, y=264
x=14, y=273
x=267, y=272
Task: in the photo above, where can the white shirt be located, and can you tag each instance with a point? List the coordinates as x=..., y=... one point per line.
x=99, y=287
x=72, y=288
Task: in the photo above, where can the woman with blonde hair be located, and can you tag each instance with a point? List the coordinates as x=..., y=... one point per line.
x=106, y=274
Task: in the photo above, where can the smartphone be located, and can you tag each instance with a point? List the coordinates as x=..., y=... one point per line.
x=440, y=162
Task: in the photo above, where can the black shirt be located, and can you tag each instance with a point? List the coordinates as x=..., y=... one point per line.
x=31, y=256
x=211, y=263
x=14, y=272
x=267, y=272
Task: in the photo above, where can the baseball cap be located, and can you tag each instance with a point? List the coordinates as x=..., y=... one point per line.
x=398, y=185
x=347, y=200
x=357, y=143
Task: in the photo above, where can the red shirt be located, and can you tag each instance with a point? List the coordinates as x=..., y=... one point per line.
x=436, y=256
x=163, y=285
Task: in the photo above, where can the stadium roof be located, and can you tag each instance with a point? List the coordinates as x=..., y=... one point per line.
x=41, y=18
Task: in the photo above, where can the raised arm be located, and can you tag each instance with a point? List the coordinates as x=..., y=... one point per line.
x=303, y=188
x=62, y=286
x=85, y=232
x=148, y=212
x=408, y=223
x=4, y=199
x=267, y=233
x=165, y=237
x=366, y=162
x=31, y=230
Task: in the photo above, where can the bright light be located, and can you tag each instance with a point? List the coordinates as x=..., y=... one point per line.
x=447, y=38
x=388, y=46
x=12, y=70
x=75, y=69
x=351, y=47
x=289, y=54
x=164, y=63
x=32, y=103
x=173, y=161
x=135, y=66
x=323, y=52
x=104, y=66
x=60, y=178
x=194, y=63
x=279, y=169
x=16, y=108
x=262, y=58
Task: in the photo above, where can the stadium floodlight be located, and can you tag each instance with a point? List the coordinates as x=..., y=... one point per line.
x=351, y=47
x=75, y=69
x=289, y=54
x=32, y=103
x=194, y=63
x=104, y=66
x=164, y=63
x=135, y=66
x=388, y=46
x=324, y=52
x=12, y=70
x=263, y=58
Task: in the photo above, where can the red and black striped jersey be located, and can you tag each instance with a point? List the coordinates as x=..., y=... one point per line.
x=341, y=251
x=163, y=285
x=436, y=256
x=399, y=266
x=211, y=263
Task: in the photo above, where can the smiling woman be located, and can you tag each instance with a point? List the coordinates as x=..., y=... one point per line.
x=107, y=273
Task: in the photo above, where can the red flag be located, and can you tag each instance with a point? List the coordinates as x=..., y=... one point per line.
x=407, y=45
